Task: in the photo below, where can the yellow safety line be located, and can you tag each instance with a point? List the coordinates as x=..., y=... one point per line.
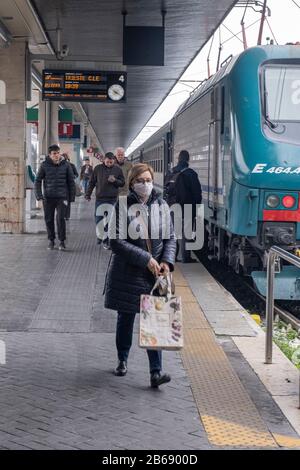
x=229, y=416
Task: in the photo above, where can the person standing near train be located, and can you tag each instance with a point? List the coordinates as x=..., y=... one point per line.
x=182, y=186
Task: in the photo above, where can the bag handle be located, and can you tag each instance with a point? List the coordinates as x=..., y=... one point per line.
x=169, y=287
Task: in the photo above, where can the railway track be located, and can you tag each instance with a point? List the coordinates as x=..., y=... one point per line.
x=285, y=315
x=222, y=275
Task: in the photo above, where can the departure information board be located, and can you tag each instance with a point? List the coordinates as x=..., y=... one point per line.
x=87, y=85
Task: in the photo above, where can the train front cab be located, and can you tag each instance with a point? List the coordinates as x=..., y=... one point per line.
x=280, y=225
x=265, y=204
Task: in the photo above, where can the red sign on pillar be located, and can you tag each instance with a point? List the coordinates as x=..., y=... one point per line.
x=65, y=129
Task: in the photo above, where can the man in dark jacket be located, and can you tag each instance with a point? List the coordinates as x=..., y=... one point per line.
x=58, y=188
x=125, y=167
x=107, y=178
x=183, y=187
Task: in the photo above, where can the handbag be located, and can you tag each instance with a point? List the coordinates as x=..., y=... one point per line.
x=161, y=319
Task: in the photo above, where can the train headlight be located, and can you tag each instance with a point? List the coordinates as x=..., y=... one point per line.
x=273, y=201
x=288, y=202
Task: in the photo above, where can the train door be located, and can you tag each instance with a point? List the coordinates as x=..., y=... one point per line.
x=214, y=164
x=167, y=158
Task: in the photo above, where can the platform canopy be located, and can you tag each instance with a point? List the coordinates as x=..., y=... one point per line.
x=93, y=32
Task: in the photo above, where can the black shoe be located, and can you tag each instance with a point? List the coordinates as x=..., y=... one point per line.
x=121, y=369
x=156, y=379
x=106, y=244
x=51, y=245
x=62, y=246
x=99, y=241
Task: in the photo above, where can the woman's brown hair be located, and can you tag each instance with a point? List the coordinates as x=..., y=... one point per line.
x=137, y=170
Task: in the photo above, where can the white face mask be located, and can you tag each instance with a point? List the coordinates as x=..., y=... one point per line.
x=143, y=189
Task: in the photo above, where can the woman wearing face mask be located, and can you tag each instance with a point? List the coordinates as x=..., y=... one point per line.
x=137, y=259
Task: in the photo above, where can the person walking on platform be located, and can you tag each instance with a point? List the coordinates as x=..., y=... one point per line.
x=182, y=186
x=107, y=178
x=75, y=172
x=57, y=178
x=136, y=262
x=86, y=174
x=125, y=167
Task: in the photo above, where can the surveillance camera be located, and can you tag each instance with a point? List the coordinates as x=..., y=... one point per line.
x=64, y=50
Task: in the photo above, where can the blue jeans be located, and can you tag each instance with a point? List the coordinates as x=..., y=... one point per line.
x=85, y=184
x=124, y=334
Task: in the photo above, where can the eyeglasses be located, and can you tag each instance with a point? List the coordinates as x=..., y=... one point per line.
x=143, y=181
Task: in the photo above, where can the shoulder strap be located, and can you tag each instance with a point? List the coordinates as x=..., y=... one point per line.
x=148, y=241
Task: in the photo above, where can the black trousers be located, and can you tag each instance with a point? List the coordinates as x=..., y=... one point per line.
x=50, y=206
x=68, y=211
x=124, y=335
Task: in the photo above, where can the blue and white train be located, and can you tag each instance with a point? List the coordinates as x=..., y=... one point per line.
x=242, y=130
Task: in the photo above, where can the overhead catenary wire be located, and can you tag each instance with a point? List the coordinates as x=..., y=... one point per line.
x=233, y=34
x=296, y=3
x=268, y=23
x=236, y=35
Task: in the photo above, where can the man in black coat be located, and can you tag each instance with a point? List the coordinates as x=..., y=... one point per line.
x=182, y=186
x=58, y=188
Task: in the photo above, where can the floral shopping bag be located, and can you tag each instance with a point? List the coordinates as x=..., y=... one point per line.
x=161, y=318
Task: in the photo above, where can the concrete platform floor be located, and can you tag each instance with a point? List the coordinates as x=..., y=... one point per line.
x=57, y=390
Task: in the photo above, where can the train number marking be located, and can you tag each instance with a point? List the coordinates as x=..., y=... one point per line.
x=262, y=168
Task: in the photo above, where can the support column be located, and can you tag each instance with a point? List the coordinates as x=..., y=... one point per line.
x=48, y=125
x=12, y=139
x=53, y=131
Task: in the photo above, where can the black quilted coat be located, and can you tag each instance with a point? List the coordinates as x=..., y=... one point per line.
x=127, y=275
x=58, y=181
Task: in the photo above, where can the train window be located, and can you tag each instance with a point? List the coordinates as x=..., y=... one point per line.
x=222, y=110
x=282, y=92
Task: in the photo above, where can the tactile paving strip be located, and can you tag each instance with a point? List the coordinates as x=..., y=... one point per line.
x=228, y=414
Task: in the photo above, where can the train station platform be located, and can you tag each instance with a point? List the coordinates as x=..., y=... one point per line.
x=57, y=390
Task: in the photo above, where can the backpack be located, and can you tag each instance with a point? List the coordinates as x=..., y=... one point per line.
x=170, y=186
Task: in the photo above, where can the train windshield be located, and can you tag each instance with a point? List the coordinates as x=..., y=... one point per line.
x=282, y=94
